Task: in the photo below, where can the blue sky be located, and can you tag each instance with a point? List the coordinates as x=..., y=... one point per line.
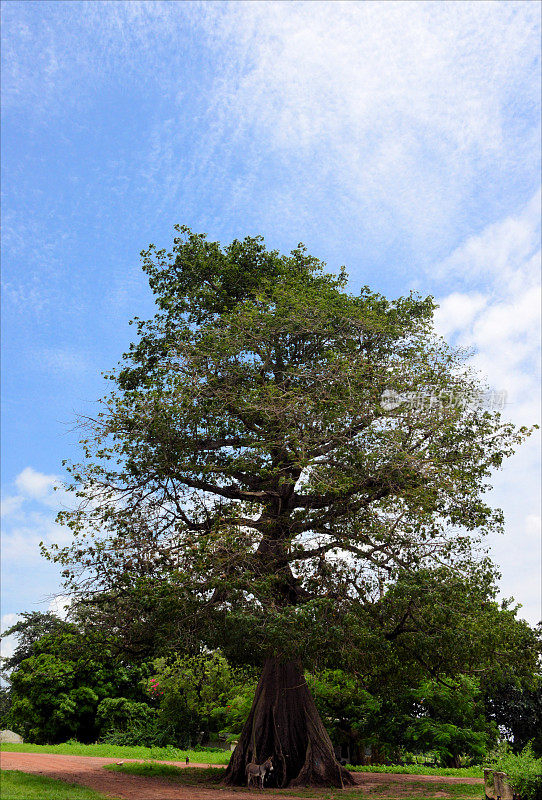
x=399, y=138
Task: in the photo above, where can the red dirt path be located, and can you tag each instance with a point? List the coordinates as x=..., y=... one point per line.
x=88, y=771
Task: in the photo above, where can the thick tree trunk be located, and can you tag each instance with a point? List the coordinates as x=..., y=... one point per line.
x=284, y=724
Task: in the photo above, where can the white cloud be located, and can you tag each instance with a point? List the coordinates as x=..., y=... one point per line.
x=21, y=541
x=497, y=311
x=519, y=552
x=457, y=311
x=29, y=518
x=533, y=526
x=8, y=643
x=35, y=484
x=494, y=308
x=11, y=504
x=8, y=620
x=27, y=578
x=506, y=253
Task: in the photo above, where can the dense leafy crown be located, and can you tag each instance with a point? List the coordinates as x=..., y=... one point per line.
x=248, y=457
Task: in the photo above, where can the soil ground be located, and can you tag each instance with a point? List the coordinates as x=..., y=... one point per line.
x=88, y=771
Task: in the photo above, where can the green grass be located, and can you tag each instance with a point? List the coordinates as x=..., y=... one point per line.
x=211, y=776
x=114, y=751
x=16, y=785
x=419, y=769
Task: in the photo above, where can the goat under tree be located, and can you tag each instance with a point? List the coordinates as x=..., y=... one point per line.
x=250, y=457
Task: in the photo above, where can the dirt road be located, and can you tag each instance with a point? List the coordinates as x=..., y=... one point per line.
x=88, y=771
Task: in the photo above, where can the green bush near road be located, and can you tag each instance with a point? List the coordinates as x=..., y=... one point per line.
x=524, y=772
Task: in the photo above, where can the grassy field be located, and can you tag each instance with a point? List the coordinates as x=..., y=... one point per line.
x=114, y=751
x=419, y=769
x=212, y=775
x=22, y=786
x=206, y=757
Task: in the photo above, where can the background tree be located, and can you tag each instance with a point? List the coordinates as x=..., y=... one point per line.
x=194, y=695
x=447, y=717
x=56, y=691
x=347, y=710
x=420, y=690
x=516, y=707
x=29, y=629
x=277, y=449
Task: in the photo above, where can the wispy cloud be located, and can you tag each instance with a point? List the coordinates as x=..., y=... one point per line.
x=497, y=310
x=493, y=309
x=398, y=110
x=64, y=360
x=29, y=508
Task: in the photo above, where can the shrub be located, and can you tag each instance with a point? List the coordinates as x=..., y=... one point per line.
x=149, y=733
x=127, y=723
x=524, y=772
x=119, y=713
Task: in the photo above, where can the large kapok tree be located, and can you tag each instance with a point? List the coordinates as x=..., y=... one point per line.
x=275, y=450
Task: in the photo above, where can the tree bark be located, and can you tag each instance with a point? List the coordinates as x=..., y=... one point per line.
x=284, y=725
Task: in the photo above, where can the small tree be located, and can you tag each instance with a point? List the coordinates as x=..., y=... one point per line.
x=516, y=707
x=56, y=691
x=274, y=450
x=193, y=694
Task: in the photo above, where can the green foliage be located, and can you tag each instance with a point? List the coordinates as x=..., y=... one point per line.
x=448, y=740
x=29, y=629
x=344, y=706
x=117, y=715
x=237, y=709
x=450, y=623
x=5, y=705
x=144, y=733
x=200, y=695
x=524, y=772
x=56, y=692
x=516, y=707
x=451, y=721
x=262, y=474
